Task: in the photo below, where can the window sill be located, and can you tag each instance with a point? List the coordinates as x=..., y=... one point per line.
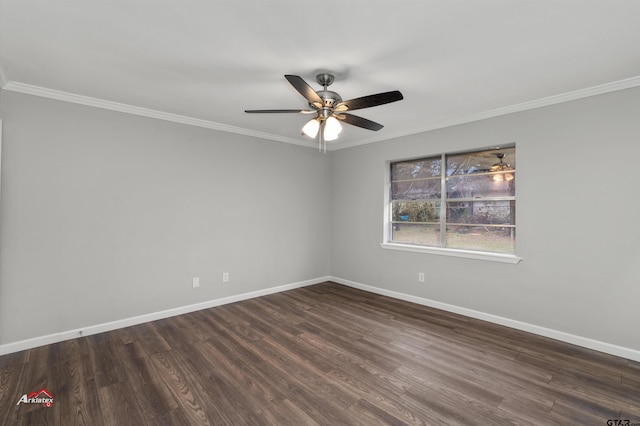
x=478, y=255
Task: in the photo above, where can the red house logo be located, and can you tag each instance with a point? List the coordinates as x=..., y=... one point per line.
x=42, y=396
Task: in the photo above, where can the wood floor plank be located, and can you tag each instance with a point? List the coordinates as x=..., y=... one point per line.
x=570, y=410
x=368, y=414
x=287, y=413
x=521, y=405
x=175, y=417
x=184, y=391
x=107, y=366
x=189, y=325
x=77, y=389
x=147, y=334
x=372, y=389
x=257, y=386
x=12, y=387
x=230, y=356
x=370, y=380
x=307, y=351
x=433, y=378
x=120, y=405
x=154, y=400
x=324, y=354
x=217, y=391
x=450, y=409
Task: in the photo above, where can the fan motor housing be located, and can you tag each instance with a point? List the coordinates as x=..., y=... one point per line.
x=329, y=98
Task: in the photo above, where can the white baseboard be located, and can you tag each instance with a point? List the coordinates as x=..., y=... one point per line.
x=585, y=342
x=518, y=325
x=153, y=316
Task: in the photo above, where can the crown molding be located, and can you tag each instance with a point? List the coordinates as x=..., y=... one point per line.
x=524, y=106
x=144, y=112
x=191, y=121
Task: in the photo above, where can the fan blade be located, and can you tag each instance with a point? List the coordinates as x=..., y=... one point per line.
x=371, y=100
x=269, y=111
x=359, y=121
x=305, y=90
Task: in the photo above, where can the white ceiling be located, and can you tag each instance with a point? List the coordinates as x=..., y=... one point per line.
x=205, y=62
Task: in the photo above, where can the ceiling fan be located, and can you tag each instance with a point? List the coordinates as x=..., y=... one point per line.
x=330, y=109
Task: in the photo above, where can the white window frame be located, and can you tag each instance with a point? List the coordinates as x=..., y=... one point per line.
x=442, y=251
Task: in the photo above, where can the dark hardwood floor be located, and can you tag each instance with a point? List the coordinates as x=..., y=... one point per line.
x=324, y=354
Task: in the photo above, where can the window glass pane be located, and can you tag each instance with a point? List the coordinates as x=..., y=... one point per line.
x=415, y=211
x=425, y=235
x=416, y=169
x=416, y=189
x=480, y=238
x=482, y=212
x=479, y=162
x=501, y=184
x=480, y=201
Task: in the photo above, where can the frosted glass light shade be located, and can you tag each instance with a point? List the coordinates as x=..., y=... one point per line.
x=328, y=136
x=311, y=128
x=332, y=126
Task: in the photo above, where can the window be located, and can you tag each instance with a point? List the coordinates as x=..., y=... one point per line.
x=462, y=201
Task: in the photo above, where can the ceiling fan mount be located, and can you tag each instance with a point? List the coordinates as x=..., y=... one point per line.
x=325, y=79
x=330, y=109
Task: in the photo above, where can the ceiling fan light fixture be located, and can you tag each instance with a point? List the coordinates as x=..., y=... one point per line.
x=330, y=108
x=331, y=126
x=311, y=128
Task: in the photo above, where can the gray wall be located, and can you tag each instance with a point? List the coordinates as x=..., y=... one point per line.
x=578, y=220
x=106, y=216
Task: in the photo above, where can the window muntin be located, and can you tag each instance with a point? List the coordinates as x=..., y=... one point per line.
x=469, y=204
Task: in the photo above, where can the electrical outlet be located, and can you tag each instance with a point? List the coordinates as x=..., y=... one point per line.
x=196, y=282
x=421, y=277
x=225, y=277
